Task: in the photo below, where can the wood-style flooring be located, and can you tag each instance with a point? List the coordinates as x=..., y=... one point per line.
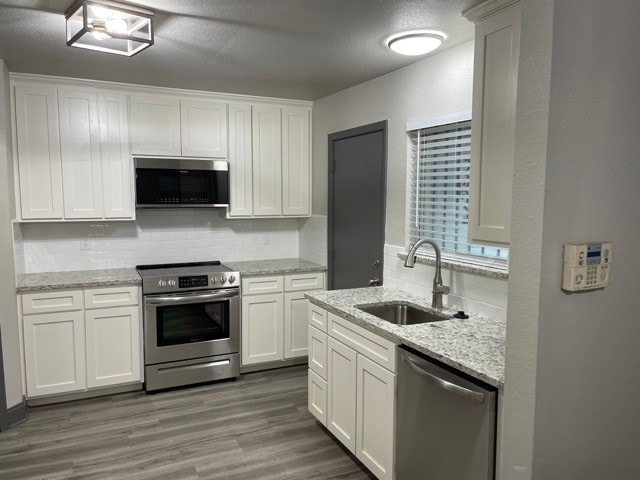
x=256, y=427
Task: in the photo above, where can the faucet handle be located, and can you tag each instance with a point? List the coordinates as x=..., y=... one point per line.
x=442, y=289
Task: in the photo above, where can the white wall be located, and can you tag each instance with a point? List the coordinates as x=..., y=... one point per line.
x=588, y=383
x=157, y=236
x=437, y=85
x=572, y=362
x=8, y=307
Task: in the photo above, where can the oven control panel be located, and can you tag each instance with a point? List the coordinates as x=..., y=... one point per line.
x=193, y=281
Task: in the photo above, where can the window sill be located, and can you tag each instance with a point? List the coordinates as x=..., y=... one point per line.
x=482, y=270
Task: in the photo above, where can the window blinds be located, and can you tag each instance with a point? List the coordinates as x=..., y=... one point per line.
x=439, y=204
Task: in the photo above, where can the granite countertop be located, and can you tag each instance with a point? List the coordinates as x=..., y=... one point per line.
x=30, y=282
x=474, y=346
x=274, y=267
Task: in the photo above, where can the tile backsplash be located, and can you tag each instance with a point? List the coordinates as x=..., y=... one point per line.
x=313, y=239
x=157, y=236
x=471, y=292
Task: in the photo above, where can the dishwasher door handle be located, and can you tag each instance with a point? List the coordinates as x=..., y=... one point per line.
x=445, y=384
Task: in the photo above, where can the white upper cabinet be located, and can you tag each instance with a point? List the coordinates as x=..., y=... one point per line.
x=296, y=177
x=267, y=161
x=38, y=152
x=80, y=152
x=204, y=128
x=155, y=125
x=240, y=160
x=117, y=167
x=497, y=45
x=164, y=125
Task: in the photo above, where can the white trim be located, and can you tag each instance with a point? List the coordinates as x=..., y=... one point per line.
x=428, y=122
x=487, y=9
x=147, y=89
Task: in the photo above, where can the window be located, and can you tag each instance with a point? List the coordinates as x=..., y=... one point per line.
x=439, y=203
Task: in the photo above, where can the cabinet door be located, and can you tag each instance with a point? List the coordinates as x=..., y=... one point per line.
x=341, y=393
x=267, y=160
x=240, y=160
x=113, y=346
x=296, y=164
x=317, y=351
x=296, y=324
x=80, y=151
x=117, y=168
x=155, y=125
x=38, y=144
x=495, y=77
x=54, y=353
x=317, y=397
x=203, y=125
x=262, y=327
x=375, y=422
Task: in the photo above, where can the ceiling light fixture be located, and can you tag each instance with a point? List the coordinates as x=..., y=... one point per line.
x=416, y=42
x=108, y=26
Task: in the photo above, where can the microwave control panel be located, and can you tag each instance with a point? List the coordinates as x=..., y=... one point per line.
x=587, y=266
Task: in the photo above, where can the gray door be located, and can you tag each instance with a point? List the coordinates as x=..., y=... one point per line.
x=357, y=192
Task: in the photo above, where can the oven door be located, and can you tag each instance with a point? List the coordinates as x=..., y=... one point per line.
x=191, y=325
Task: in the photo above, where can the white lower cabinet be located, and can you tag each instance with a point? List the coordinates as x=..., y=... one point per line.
x=275, y=316
x=375, y=407
x=317, y=397
x=71, y=345
x=113, y=346
x=360, y=392
x=262, y=324
x=341, y=392
x=296, y=314
x=54, y=353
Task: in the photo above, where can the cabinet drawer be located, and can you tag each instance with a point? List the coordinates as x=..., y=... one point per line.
x=50, y=302
x=304, y=281
x=374, y=347
x=258, y=285
x=317, y=392
x=318, y=351
x=318, y=317
x=110, y=297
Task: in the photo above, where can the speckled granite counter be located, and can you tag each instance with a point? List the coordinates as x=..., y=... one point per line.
x=474, y=346
x=77, y=279
x=279, y=266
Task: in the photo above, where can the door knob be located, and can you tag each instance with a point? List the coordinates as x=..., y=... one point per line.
x=374, y=282
x=376, y=263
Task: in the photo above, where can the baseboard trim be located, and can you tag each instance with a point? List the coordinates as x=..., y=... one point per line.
x=17, y=414
x=69, y=397
x=271, y=365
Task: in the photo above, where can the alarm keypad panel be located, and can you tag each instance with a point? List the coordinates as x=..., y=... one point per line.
x=587, y=266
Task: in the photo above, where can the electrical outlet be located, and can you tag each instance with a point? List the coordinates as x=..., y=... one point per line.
x=267, y=240
x=85, y=243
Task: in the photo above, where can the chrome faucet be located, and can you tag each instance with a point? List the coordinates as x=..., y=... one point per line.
x=438, y=288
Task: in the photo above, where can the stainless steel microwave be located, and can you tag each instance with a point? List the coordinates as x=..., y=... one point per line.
x=180, y=182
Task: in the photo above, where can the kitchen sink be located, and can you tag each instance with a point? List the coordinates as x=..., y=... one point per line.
x=401, y=313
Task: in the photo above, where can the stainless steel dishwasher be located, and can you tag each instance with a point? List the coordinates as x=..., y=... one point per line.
x=446, y=424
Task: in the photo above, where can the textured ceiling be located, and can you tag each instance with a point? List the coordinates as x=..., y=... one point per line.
x=303, y=49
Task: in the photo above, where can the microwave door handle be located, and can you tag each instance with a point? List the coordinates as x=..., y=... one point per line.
x=191, y=299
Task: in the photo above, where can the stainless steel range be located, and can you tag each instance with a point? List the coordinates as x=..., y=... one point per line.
x=191, y=323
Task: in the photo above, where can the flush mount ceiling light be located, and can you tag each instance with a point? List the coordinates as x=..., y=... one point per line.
x=415, y=43
x=108, y=26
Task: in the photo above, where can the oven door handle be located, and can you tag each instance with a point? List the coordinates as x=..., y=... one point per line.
x=225, y=295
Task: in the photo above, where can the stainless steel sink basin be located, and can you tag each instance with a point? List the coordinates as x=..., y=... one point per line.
x=402, y=314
